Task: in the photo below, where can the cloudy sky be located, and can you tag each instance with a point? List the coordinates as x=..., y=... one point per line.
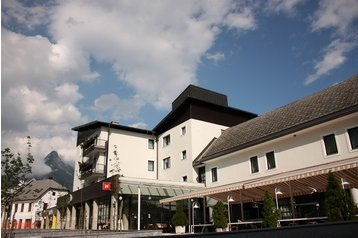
x=65, y=63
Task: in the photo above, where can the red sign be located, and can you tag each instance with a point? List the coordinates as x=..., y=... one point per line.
x=106, y=186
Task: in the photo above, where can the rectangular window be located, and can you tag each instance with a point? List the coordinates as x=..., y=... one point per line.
x=214, y=174
x=183, y=154
x=22, y=207
x=330, y=144
x=185, y=178
x=166, y=163
x=16, y=205
x=150, y=165
x=151, y=144
x=254, y=164
x=270, y=159
x=53, y=193
x=30, y=207
x=353, y=137
x=166, y=140
x=183, y=130
x=202, y=177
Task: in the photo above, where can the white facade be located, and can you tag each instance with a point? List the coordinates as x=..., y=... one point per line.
x=24, y=214
x=139, y=155
x=302, y=149
x=184, y=148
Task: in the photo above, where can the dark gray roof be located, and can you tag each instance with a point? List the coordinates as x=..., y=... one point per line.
x=36, y=188
x=328, y=104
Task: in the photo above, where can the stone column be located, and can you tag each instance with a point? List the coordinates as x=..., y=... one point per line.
x=73, y=218
x=86, y=216
x=68, y=218
x=94, y=215
x=113, y=213
x=59, y=219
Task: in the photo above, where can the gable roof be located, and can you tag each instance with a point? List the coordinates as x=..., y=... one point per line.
x=36, y=188
x=328, y=104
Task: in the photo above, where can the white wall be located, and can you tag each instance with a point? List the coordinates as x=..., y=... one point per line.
x=133, y=153
x=37, y=206
x=198, y=135
x=295, y=151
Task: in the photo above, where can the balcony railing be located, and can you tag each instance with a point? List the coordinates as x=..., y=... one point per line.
x=95, y=144
x=96, y=171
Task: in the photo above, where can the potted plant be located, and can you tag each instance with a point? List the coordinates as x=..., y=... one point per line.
x=220, y=216
x=270, y=213
x=179, y=219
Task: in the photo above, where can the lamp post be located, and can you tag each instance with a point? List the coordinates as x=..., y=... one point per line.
x=277, y=192
x=344, y=183
x=120, y=198
x=229, y=199
x=196, y=205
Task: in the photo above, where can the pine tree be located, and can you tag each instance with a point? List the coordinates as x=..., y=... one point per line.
x=338, y=203
x=220, y=215
x=270, y=213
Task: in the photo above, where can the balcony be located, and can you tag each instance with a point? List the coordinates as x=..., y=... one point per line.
x=94, y=145
x=88, y=171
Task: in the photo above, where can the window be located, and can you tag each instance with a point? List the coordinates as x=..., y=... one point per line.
x=183, y=154
x=254, y=164
x=22, y=207
x=353, y=137
x=183, y=130
x=30, y=207
x=202, y=177
x=16, y=207
x=330, y=144
x=270, y=158
x=150, y=165
x=214, y=174
x=166, y=140
x=185, y=178
x=53, y=193
x=166, y=163
x=151, y=144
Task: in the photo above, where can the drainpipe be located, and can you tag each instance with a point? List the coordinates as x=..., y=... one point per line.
x=157, y=158
x=107, y=154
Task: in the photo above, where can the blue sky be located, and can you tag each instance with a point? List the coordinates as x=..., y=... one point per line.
x=65, y=63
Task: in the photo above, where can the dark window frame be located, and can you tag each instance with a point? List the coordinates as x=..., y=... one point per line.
x=271, y=160
x=330, y=144
x=214, y=174
x=353, y=138
x=254, y=164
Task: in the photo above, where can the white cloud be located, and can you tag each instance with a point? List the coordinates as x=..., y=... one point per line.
x=339, y=16
x=27, y=17
x=334, y=56
x=335, y=14
x=120, y=109
x=216, y=57
x=157, y=45
x=286, y=6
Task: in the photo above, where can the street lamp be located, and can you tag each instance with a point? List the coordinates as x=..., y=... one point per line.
x=344, y=182
x=195, y=205
x=277, y=192
x=229, y=199
x=120, y=198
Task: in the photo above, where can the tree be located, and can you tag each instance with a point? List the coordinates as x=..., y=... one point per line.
x=339, y=204
x=270, y=213
x=14, y=170
x=220, y=215
x=179, y=218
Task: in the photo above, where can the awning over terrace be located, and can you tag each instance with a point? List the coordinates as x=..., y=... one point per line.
x=292, y=183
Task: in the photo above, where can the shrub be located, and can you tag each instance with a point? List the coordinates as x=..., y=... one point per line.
x=220, y=215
